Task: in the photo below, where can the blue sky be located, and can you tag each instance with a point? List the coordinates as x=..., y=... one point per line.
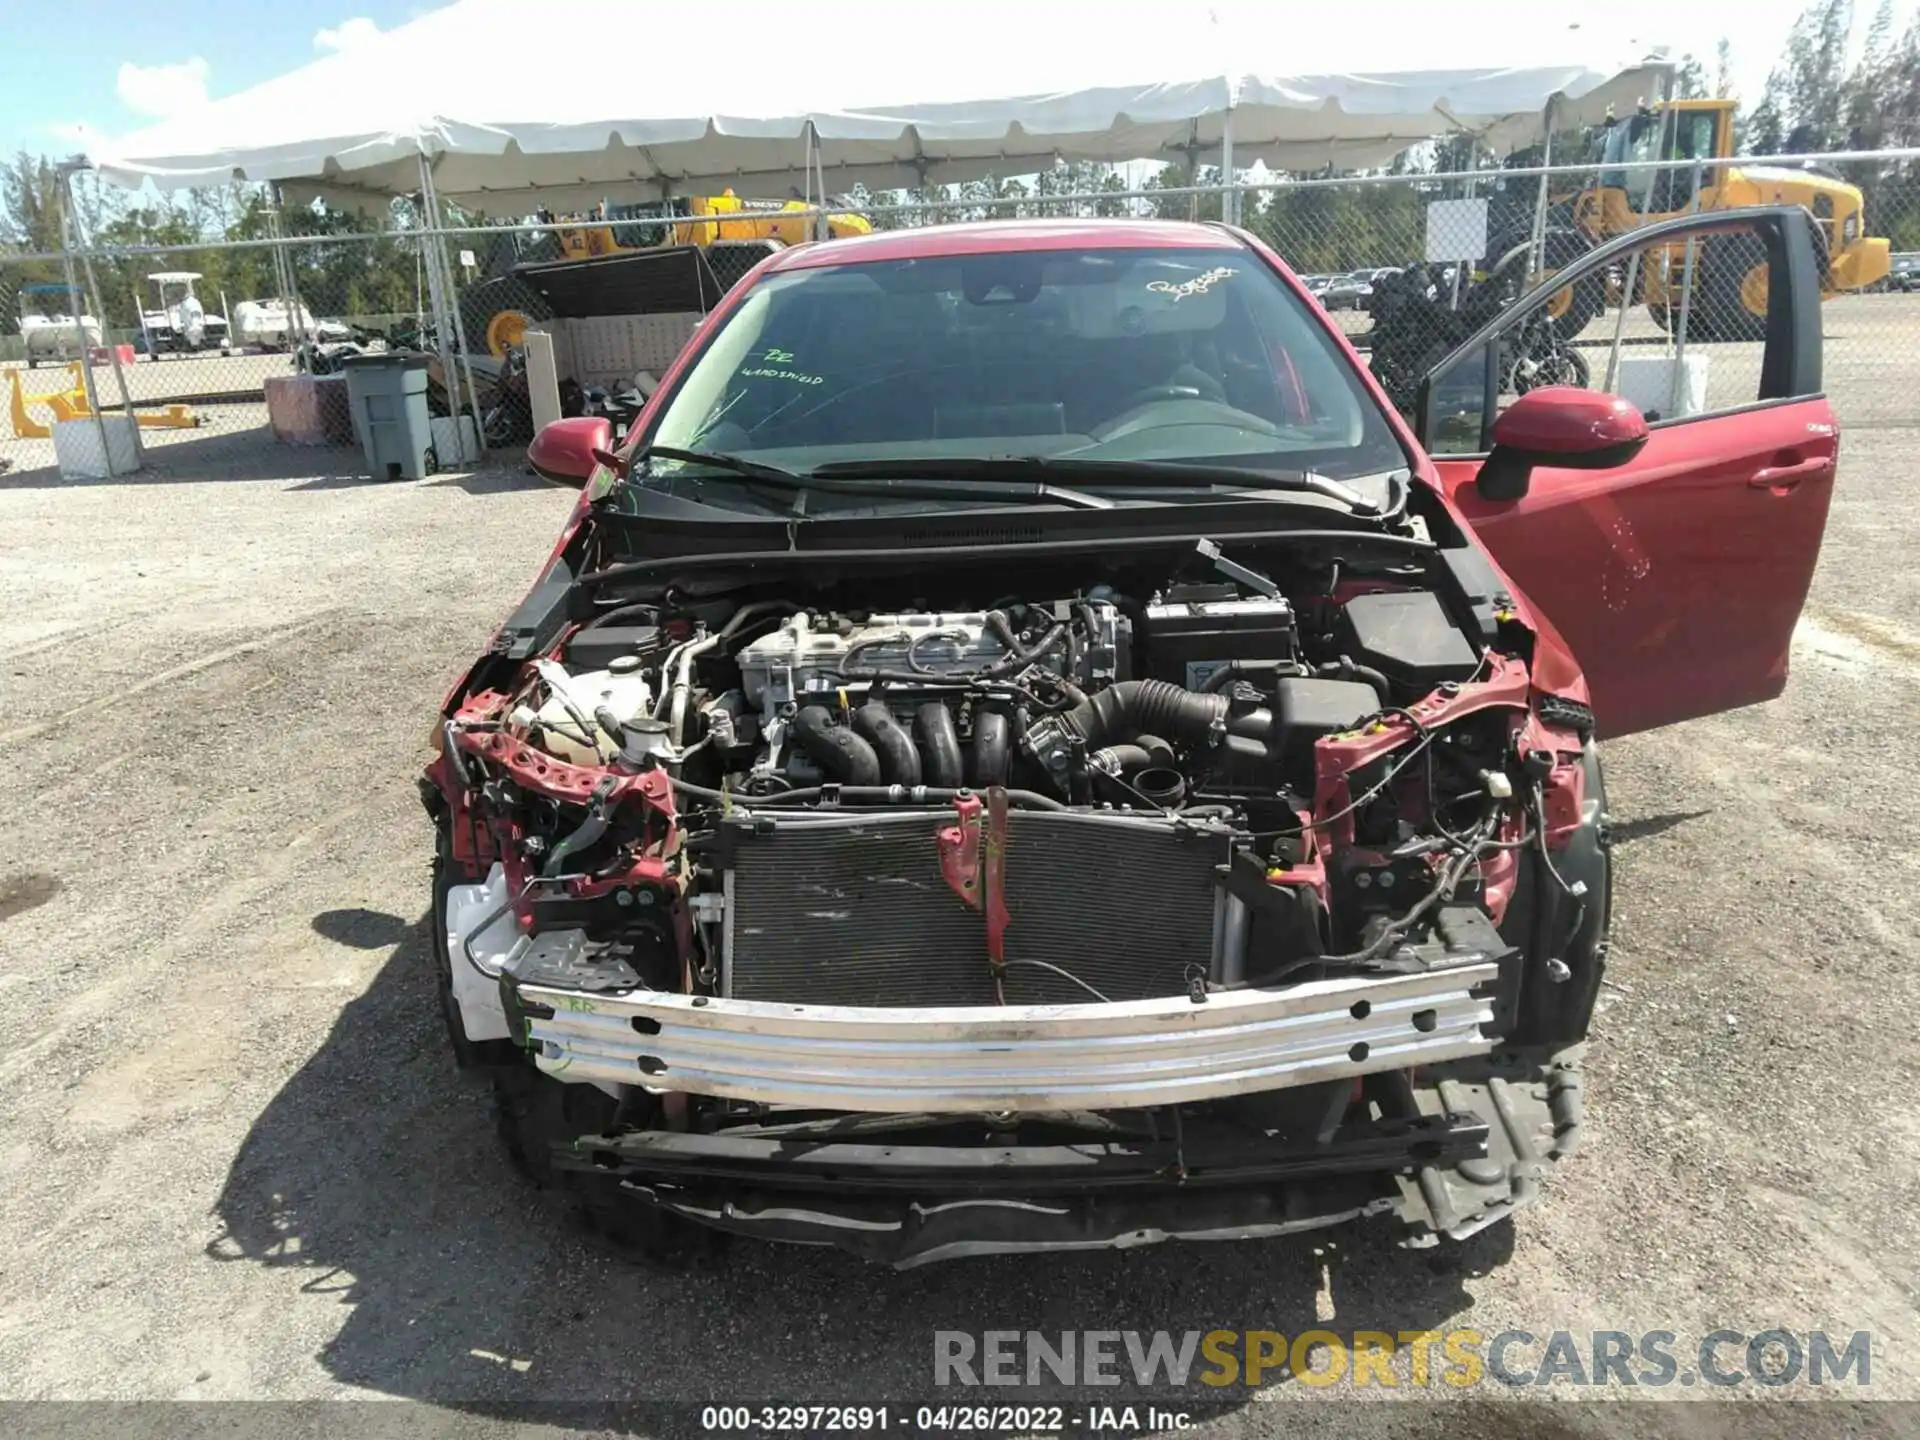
x=115, y=65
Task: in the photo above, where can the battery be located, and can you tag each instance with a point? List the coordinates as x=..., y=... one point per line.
x=1187, y=640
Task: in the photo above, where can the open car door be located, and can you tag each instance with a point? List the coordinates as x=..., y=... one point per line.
x=1675, y=576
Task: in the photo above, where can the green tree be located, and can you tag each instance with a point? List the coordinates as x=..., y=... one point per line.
x=1879, y=44
x=1897, y=101
x=1813, y=81
x=30, y=203
x=1689, y=79
x=1764, y=130
x=1078, y=177
x=1204, y=206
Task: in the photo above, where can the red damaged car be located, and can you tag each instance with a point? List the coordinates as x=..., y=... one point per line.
x=1024, y=748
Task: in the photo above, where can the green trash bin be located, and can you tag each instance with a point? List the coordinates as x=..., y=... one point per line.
x=388, y=397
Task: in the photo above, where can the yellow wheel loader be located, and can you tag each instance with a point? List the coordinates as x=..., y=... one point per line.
x=699, y=220
x=1730, y=276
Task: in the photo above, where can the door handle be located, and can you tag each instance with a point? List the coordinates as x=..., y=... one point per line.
x=1781, y=478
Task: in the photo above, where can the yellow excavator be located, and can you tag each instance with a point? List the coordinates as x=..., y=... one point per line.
x=698, y=220
x=1730, y=278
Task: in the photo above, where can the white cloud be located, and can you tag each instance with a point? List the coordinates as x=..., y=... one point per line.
x=346, y=35
x=163, y=90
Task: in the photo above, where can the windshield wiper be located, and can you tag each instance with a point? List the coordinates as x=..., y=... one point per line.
x=1174, y=475
x=737, y=464
x=884, y=480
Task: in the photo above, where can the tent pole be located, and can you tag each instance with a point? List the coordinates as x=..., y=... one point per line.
x=1537, y=259
x=283, y=272
x=77, y=308
x=447, y=304
x=806, y=165
x=106, y=330
x=1631, y=288
x=1229, y=197
x=449, y=377
x=817, y=161
x=1677, y=315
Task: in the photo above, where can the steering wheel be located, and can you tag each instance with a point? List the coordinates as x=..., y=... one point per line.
x=1193, y=410
x=1208, y=389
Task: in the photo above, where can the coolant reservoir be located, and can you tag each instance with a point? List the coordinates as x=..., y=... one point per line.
x=626, y=694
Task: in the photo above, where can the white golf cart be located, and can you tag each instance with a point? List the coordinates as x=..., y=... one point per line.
x=181, y=324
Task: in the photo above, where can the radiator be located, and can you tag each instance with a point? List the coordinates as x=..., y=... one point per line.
x=853, y=910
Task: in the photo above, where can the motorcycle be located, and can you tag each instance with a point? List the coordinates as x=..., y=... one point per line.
x=506, y=413
x=1414, y=328
x=621, y=407
x=316, y=357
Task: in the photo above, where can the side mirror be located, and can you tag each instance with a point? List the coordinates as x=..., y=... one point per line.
x=1563, y=427
x=566, y=451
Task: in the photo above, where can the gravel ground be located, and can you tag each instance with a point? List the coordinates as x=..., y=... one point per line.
x=241, y=1166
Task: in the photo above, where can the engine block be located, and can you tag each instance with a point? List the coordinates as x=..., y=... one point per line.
x=809, y=656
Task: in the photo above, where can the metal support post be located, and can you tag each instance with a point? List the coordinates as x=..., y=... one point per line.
x=446, y=305
x=1537, y=257
x=1230, y=197
x=77, y=308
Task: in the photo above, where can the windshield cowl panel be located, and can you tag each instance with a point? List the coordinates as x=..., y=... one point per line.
x=1178, y=354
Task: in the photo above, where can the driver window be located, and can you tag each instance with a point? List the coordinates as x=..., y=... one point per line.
x=1679, y=332
x=1695, y=140
x=1643, y=144
x=1692, y=140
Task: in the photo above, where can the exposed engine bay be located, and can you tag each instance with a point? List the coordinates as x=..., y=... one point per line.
x=1200, y=828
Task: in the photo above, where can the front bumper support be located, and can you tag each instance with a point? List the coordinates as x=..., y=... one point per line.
x=1023, y=1170
x=909, y=1204
x=909, y=1235
x=1447, y=1153
x=1016, y=1058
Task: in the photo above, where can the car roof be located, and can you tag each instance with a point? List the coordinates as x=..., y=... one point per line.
x=989, y=237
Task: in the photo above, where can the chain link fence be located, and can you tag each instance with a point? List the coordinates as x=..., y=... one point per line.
x=203, y=345
x=227, y=351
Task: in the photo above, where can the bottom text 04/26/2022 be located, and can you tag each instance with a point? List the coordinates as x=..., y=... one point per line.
x=947, y=1419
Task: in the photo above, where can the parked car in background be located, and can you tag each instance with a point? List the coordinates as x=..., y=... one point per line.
x=1903, y=273
x=1348, y=292
x=1023, y=748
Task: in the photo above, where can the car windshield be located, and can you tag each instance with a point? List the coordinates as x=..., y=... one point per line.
x=1174, y=354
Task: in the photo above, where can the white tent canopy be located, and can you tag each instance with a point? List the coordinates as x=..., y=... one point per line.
x=669, y=98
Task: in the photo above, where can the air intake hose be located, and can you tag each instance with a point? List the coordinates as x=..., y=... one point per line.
x=834, y=748
x=1123, y=711
x=1115, y=728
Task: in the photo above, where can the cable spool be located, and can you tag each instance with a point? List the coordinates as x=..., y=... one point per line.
x=507, y=331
